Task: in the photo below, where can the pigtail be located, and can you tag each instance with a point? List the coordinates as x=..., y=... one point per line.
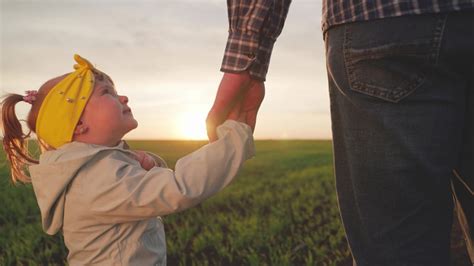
x=15, y=141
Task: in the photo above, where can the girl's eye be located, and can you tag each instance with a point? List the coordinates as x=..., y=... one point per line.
x=108, y=91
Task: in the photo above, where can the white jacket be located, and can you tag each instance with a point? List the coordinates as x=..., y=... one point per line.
x=107, y=205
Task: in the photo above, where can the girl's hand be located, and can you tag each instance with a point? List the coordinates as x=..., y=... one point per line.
x=146, y=161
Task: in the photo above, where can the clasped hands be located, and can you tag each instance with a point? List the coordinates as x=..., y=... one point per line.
x=238, y=97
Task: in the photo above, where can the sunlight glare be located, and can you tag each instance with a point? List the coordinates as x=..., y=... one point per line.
x=193, y=126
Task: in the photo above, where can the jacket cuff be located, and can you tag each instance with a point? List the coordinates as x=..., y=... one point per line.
x=243, y=136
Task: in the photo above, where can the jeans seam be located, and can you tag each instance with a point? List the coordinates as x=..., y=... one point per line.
x=347, y=42
x=438, y=36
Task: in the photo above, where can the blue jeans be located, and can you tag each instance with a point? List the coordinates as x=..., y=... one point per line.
x=402, y=98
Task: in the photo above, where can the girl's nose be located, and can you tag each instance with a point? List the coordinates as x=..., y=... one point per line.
x=123, y=99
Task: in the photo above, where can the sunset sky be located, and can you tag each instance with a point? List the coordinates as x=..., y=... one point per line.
x=165, y=56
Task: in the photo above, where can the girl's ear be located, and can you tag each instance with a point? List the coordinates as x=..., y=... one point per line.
x=81, y=128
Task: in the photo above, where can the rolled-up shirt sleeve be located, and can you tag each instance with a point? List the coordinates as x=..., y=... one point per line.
x=134, y=193
x=253, y=29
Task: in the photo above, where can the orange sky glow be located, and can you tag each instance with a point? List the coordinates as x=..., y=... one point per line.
x=165, y=56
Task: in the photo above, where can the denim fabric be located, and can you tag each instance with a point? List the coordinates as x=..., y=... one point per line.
x=402, y=99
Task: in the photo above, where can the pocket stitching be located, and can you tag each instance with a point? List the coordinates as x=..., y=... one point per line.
x=399, y=92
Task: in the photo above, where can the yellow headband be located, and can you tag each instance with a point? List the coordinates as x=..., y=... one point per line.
x=62, y=107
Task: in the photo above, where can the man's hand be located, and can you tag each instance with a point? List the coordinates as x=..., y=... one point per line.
x=246, y=109
x=239, y=98
x=146, y=161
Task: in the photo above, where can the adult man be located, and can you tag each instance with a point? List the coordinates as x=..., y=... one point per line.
x=402, y=94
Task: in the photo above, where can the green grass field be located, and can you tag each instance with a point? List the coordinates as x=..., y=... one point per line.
x=281, y=210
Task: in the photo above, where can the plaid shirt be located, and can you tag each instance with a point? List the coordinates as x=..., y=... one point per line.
x=338, y=12
x=254, y=25
x=253, y=29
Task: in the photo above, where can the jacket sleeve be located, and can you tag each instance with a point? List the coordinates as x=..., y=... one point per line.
x=135, y=194
x=254, y=26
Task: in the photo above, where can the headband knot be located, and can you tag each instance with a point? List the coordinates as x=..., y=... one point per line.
x=82, y=63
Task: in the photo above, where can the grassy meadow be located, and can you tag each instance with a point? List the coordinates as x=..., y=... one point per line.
x=281, y=210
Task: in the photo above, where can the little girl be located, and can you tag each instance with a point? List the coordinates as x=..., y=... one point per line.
x=105, y=198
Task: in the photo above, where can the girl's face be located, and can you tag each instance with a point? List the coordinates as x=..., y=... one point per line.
x=106, y=117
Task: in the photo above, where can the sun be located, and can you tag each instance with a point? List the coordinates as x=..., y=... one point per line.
x=192, y=126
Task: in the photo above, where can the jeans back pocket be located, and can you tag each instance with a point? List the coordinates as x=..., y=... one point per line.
x=389, y=58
